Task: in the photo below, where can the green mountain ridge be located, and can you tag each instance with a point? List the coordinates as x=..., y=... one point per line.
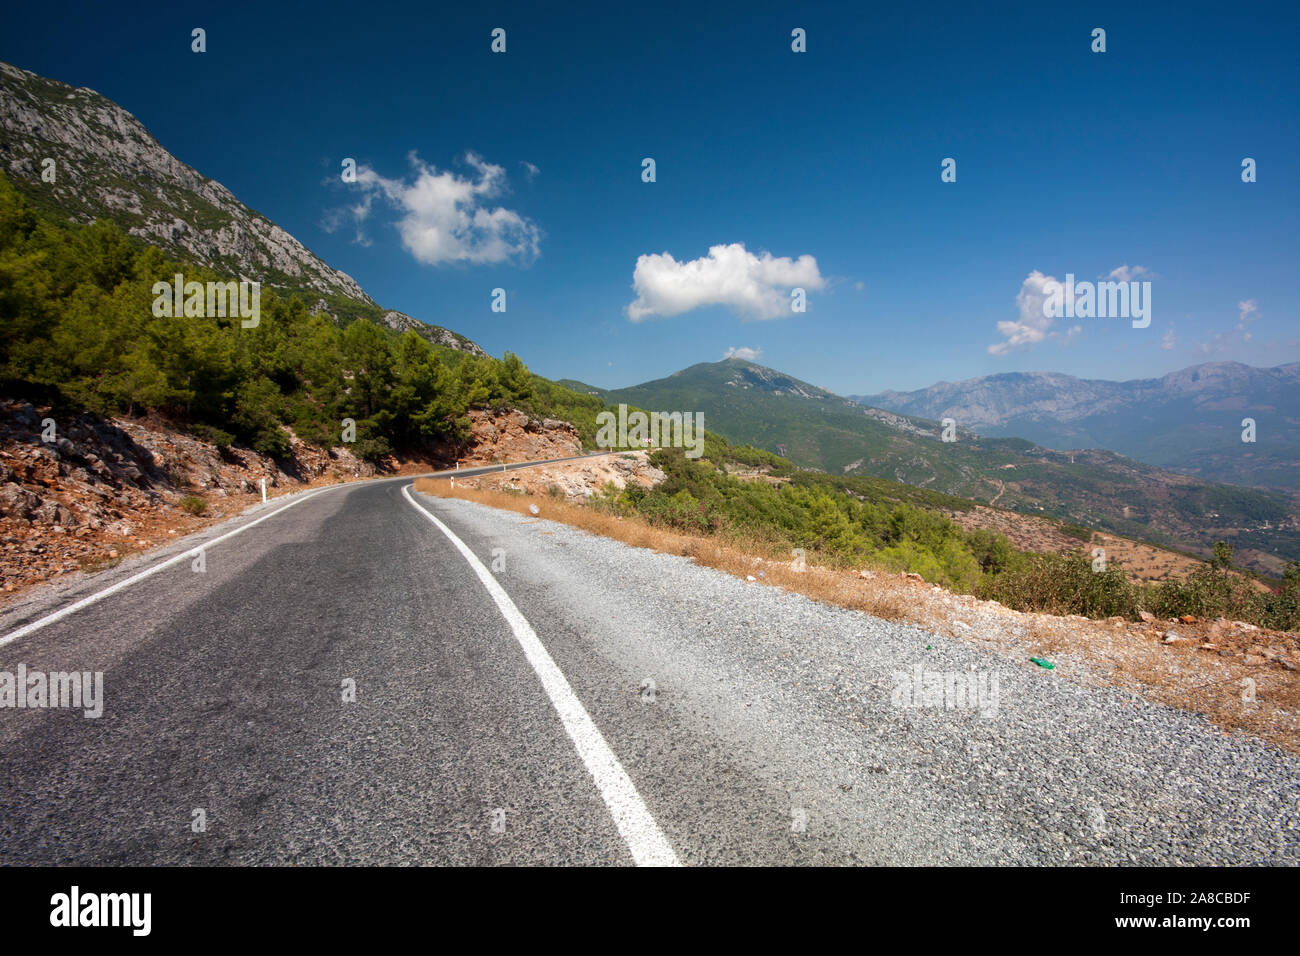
x=752, y=404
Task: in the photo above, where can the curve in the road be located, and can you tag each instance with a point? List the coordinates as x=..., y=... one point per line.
x=194, y=552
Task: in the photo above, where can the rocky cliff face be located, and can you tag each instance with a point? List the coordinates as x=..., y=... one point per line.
x=102, y=488
x=401, y=322
x=513, y=436
x=106, y=165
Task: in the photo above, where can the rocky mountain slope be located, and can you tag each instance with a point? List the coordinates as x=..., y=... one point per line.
x=401, y=322
x=106, y=165
x=1188, y=421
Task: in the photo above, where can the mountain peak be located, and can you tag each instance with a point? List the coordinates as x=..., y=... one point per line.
x=108, y=166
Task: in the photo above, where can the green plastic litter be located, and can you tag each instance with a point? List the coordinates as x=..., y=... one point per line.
x=1042, y=663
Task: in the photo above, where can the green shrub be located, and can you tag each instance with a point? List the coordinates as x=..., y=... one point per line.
x=992, y=550
x=1063, y=584
x=1282, y=609
x=222, y=439
x=372, y=449
x=1209, y=591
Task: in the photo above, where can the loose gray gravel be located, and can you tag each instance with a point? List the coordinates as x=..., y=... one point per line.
x=799, y=695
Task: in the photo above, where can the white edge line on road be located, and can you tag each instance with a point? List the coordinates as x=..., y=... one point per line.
x=127, y=582
x=642, y=835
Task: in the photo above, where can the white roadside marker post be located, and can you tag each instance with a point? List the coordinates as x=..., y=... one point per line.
x=263, y=491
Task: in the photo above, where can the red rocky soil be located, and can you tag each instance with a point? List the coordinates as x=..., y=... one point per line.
x=101, y=489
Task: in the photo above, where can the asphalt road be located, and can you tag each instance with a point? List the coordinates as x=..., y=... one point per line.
x=619, y=706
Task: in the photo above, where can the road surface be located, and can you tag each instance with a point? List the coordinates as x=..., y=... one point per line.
x=673, y=714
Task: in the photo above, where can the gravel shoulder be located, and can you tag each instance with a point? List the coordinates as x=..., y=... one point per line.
x=803, y=698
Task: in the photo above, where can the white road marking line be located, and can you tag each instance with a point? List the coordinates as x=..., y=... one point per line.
x=94, y=598
x=642, y=835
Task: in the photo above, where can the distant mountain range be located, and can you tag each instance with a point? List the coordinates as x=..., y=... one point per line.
x=1188, y=421
x=1096, y=488
x=108, y=166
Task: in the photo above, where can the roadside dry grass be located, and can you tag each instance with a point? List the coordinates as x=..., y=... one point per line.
x=1241, y=678
x=741, y=555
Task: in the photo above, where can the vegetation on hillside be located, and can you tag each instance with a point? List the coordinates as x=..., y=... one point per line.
x=840, y=522
x=76, y=322
x=1097, y=488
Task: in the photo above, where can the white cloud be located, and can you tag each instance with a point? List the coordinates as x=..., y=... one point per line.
x=1128, y=273
x=1215, y=344
x=335, y=219
x=1247, y=312
x=748, y=354
x=446, y=218
x=1033, y=327
x=1169, y=340
x=752, y=287
x=530, y=170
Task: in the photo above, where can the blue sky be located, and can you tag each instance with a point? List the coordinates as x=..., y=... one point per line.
x=527, y=171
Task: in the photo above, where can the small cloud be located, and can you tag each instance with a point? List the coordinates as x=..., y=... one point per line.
x=1033, y=326
x=748, y=354
x=1247, y=312
x=334, y=219
x=1169, y=341
x=859, y=286
x=752, y=287
x=446, y=217
x=1216, y=344
x=1128, y=273
x=530, y=171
